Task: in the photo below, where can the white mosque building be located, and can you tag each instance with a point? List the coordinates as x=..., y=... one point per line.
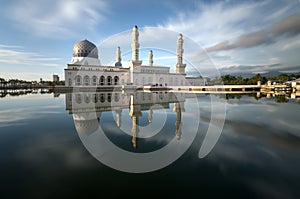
x=85, y=69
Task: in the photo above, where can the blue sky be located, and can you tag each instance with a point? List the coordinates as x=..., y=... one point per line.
x=37, y=36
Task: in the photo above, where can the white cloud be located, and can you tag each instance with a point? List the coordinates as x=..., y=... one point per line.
x=212, y=23
x=38, y=64
x=9, y=55
x=291, y=45
x=18, y=115
x=10, y=46
x=223, y=22
x=57, y=18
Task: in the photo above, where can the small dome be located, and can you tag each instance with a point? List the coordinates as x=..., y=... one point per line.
x=118, y=64
x=85, y=48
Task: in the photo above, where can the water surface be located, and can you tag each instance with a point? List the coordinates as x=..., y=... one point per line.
x=43, y=154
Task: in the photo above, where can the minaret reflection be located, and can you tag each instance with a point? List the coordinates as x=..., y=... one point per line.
x=135, y=113
x=150, y=115
x=178, y=108
x=86, y=109
x=119, y=117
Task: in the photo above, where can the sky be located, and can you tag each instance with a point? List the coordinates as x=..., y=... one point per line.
x=37, y=36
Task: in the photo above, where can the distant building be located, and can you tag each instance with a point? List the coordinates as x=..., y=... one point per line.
x=294, y=82
x=85, y=68
x=55, y=78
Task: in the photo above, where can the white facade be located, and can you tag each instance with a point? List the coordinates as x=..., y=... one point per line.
x=85, y=68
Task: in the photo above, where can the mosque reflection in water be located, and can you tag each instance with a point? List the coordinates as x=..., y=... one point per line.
x=87, y=109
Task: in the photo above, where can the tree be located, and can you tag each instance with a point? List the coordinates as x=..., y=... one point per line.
x=228, y=79
x=2, y=82
x=281, y=78
x=240, y=81
x=253, y=80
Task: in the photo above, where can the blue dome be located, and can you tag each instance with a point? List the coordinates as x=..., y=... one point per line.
x=118, y=64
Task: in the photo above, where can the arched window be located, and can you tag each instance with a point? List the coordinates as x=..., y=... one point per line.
x=102, y=97
x=116, y=80
x=87, y=98
x=94, y=98
x=94, y=81
x=117, y=97
x=86, y=80
x=109, y=80
x=70, y=82
x=78, y=98
x=109, y=97
x=78, y=80
x=102, y=80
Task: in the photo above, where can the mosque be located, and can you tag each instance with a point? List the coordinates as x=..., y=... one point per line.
x=85, y=69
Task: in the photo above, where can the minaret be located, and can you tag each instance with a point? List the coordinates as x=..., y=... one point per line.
x=118, y=57
x=118, y=54
x=150, y=58
x=180, y=67
x=135, y=47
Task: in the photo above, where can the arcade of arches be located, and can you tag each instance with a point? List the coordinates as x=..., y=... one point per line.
x=94, y=80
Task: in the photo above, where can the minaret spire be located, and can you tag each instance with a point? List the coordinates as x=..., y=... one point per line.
x=179, y=49
x=180, y=67
x=150, y=58
x=118, y=55
x=135, y=47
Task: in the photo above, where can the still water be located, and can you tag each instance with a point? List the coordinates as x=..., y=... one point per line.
x=149, y=144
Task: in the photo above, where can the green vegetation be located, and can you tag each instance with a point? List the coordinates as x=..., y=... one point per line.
x=239, y=80
x=281, y=99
